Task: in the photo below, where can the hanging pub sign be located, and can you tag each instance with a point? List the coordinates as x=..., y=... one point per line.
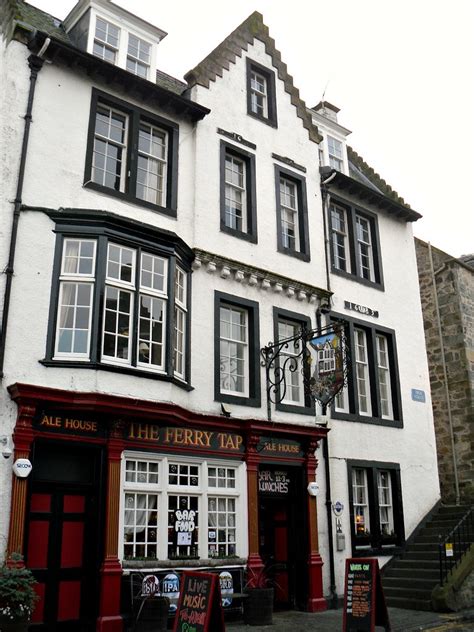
x=327, y=362
x=364, y=601
x=273, y=482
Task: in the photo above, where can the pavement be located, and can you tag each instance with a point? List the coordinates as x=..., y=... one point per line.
x=331, y=621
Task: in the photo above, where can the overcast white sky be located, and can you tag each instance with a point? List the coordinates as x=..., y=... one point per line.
x=401, y=71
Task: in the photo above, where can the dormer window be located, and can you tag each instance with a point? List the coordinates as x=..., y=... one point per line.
x=110, y=33
x=138, y=56
x=106, y=41
x=336, y=159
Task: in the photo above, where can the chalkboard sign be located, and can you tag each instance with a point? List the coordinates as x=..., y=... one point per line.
x=199, y=607
x=364, y=601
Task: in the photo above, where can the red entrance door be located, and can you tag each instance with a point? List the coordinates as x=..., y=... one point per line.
x=274, y=547
x=60, y=552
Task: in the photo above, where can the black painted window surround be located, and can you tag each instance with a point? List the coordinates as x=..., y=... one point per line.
x=261, y=95
x=293, y=378
x=232, y=315
x=121, y=299
x=130, y=152
x=375, y=371
x=292, y=214
x=238, y=197
x=376, y=507
x=355, y=243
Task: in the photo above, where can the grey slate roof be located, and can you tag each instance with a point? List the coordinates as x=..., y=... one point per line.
x=362, y=170
x=170, y=83
x=40, y=20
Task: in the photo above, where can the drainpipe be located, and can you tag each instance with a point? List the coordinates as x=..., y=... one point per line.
x=445, y=375
x=326, y=199
x=332, y=575
x=35, y=63
x=327, y=475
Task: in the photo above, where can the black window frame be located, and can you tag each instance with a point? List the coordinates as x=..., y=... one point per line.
x=269, y=76
x=135, y=116
x=105, y=228
x=301, y=320
x=351, y=213
x=251, y=192
x=376, y=543
x=252, y=309
x=300, y=181
x=371, y=330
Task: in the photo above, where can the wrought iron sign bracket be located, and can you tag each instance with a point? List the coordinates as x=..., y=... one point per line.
x=284, y=358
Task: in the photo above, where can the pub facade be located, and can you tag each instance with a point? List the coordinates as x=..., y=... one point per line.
x=169, y=260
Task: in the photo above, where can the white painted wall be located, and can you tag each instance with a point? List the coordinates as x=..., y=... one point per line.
x=54, y=178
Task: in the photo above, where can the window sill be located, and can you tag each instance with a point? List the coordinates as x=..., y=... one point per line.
x=272, y=122
x=354, y=277
x=116, y=368
x=163, y=210
x=250, y=237
x=206, y=563
x=375, y=421
x=294, y=408
x=302, y=256
x=394, y=549
x=238, y=400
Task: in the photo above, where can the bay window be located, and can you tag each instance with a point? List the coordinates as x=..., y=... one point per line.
x=118, y=302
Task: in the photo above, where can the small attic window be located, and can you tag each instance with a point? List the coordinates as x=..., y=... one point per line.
x=336, y=158
x=138, y=56
x=261, y=100
x=106, y=40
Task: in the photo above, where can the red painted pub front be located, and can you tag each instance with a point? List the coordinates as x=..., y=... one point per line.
x=75, y=522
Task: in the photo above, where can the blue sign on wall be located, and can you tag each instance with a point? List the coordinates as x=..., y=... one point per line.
x=417, y=395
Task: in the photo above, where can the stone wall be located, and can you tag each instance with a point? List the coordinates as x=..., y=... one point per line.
x=455, y=292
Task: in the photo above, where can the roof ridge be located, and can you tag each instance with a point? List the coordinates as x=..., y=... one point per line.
x=374, y=177
x=232, y=46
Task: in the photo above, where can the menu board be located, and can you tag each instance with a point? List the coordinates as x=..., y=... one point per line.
x=199, y=607
x=364, y=602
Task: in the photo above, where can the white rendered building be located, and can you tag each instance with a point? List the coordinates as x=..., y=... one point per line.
x=160, y=240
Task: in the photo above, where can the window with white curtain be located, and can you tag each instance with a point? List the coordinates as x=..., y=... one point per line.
x=182, y=509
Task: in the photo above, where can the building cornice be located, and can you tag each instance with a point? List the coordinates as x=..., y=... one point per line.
x=261, y=279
